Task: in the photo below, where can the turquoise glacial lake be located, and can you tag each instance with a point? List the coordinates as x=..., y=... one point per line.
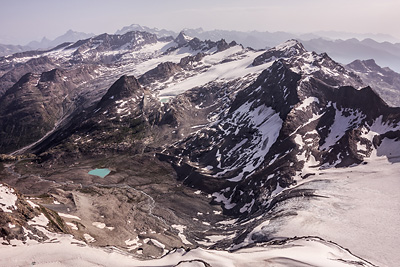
x=100, y=172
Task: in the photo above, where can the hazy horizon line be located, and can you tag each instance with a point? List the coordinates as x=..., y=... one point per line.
x=356, y=35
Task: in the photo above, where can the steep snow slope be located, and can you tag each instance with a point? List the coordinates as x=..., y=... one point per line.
x=356, y=207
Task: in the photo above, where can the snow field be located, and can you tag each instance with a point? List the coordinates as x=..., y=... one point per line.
x=239, y=67
x=8, y=199
x=302, y=252
x=358, y=209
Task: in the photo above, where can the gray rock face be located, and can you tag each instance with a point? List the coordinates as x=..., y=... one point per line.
x=161, y=73
x=12, y=73
x=33, y=106
x=123, y=88
x=196, y=44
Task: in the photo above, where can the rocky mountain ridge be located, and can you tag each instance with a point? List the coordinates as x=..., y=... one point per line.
x=342, y=47
x=292, y=116
x=201, y=138
x=95, y=62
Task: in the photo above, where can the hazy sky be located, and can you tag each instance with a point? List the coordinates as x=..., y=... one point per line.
x=24, y=20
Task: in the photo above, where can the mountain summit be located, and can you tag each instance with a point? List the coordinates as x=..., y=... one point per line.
x=182, y=38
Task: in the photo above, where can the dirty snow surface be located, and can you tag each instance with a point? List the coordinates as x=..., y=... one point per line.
x=301, y=252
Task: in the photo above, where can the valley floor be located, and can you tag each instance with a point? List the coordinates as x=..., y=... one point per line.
x=357, y=210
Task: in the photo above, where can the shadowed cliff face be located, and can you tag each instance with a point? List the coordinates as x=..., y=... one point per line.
x=36, y=103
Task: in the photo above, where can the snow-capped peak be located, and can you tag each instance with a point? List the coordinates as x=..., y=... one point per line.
x=290, y=48
x=287, y=49
x=182, y=38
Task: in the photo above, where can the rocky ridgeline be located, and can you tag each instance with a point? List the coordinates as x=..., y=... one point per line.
x=321, y=123
x=48, y=88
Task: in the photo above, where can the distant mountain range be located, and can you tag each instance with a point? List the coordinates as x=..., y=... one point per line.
x=11, y=49
x=385, y=54
x=344, y=51
x=69, y=36
x=247, y=38
x=156, y=31
x=341, y=46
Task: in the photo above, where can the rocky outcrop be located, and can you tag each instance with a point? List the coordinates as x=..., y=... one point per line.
x=166, y=70
x=12, y=74
x=19, y=218
x=198, y=45
x=125, y=117
x=23, y=116
x=124, y=87
x=161, y=73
